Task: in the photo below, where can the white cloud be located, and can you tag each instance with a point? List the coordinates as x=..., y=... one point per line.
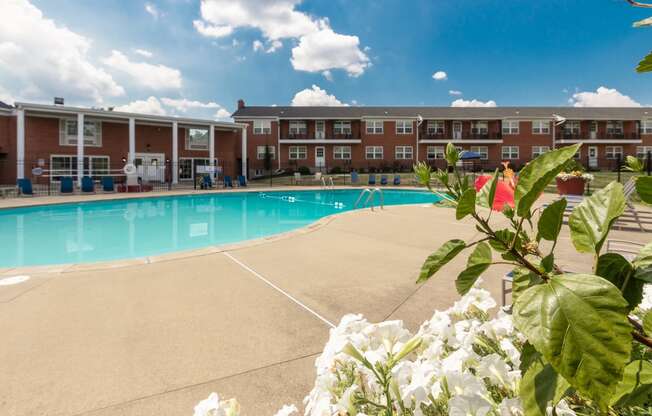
x=602, y=97
x=183, y=104
x=454, y=92
x=153, y=10
x=143, y=52
x=440, y=76
x=315, y=96
x=223, y=114
x=328, y=75
x=149, y=106
x=472, y=103
x=319, y=48
x=5, y=97
x=42, y=59
x=156, y=77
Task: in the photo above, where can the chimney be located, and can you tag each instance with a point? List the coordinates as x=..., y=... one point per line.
x=241, y=104
x=58, y=100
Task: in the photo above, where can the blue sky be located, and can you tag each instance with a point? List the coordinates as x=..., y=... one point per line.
x=509, y=52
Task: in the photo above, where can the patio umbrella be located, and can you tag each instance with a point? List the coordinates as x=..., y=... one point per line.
x=469, y=155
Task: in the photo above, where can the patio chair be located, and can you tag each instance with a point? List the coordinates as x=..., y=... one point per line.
x=107, y=184
x=372, y=179
x=318, y=176
x=383, y=179
x=397, y=180
x=66, y=185
x=242, y=181
x=228, y=182
x=87, y=185
x=297, y=178
x=355, y=178
x=206, y=182
x=25, y=187
x=506, y=283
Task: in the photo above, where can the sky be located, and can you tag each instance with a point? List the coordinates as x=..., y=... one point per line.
x=198, y=57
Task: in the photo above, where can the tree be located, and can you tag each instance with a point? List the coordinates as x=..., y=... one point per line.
x=646, y=64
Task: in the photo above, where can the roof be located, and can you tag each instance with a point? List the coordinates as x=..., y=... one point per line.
x=454, y=113
x=5, y=106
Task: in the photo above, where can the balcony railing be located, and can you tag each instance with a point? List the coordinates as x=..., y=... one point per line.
x=603, y=136
x=327, y=136
x=425, y=135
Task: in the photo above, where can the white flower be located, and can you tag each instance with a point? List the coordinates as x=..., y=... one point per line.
x=287, y=410
x=562, y=409
x=495, y=369
x=512, y=352
x=212, y=406
x=511, y=407
x=646, y=303
x=476, y=298
x=468, y=405
x=458, y=360
x=464, y=384
x=346, y=403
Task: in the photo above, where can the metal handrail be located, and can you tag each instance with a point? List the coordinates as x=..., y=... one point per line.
x=370, y=201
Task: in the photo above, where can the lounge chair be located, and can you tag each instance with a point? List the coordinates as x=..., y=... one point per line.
x=206, y=182
x=318, y=176
x=66, y=185
x=397, y=180
x=355, y=178
x=383, y=179
x=25, y=187
x=228, y=182
x=372, y=179
x=297, y=178
x=87, y=185
x=242, y=181
x=107, y=184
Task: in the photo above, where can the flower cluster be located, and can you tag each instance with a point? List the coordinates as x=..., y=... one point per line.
x=564, y=176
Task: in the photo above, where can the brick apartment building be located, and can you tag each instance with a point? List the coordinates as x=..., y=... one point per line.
x=392, y=138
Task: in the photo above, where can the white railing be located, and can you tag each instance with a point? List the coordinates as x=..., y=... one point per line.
x=370, y=201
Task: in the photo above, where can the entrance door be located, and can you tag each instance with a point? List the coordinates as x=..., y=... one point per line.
x=457, y=130
x=594, y=130
x=150, y=166
x=320, y=130
x=320, y=157
x=593, y=157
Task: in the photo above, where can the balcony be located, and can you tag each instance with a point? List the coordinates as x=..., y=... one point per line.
x=327, y=138
x=615, y=137
x=460, y=137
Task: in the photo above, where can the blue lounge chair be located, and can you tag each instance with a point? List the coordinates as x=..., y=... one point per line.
x=206, y=182
x=107, y=184
x=88, y=186
x=228, y=182
x=355, y=178
x=372, y=179
x=242, y=181
x=383, y=179
x=66, y=185
x=397, y=180
x=25, y=187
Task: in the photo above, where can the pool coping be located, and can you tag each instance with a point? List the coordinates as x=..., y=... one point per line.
x=184, y=254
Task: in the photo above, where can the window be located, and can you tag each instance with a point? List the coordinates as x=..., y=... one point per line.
x=196, y=139
x=510, y=126
x=578, y=154
x=539, y=150
x=641, y=151
x=298, y=127
x=483, y=151
x=479, y=127
x=435, y=127
x=403, y=152
x=260, y=152
x=571, y=127
x=374, y=152
x=66, y=165
x=510, y=152
x=374, y=126
x=342, y=127
x=435, y=152
x=403, y=126
x=646, y=126
x=298, y=152
x=68, y=133
x=614, y=127
x=540, y=127
x=614, y=152
x=262, y=126
x=189, y=165
x=342, y=152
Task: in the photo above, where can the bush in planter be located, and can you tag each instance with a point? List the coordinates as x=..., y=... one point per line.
x=304, y=170
x=336, y=170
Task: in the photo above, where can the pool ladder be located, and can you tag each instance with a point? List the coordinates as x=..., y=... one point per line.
x=327, y=182
x=370, y=201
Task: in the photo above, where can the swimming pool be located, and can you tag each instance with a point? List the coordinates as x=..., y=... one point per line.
x=131, y=228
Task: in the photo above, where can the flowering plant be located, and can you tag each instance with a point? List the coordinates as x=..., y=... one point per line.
x=564, y=176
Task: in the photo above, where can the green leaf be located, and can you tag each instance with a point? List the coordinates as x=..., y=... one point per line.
x=647, y=323
x=643, y=264
x=646, y=64
x=537, y=174
x=452, y=155
x=487, y=193
x=522, y=279
x=636, y=386
x=548, y=262
x=439, y=258
x=422, y=173
x=578, y=322
x=633, y=164
x=591, y=220
x=644, y=188
x=644, y=22
x=478, y=262
x=505, y=236
x=541, y=386
x=616, y=269
x=551, y=220
x=466, y=204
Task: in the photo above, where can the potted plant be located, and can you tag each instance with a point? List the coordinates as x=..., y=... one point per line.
x=573, y=179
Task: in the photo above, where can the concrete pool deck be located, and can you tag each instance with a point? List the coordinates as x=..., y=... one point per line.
x=247, y=322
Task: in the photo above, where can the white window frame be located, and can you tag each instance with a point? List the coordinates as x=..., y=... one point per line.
x=540, y=127
x=297, y=127
x=435, y=153
x=298, y=152
x=509, y=150
x=374, y=126
x=260, y=152
x=539, y=150
x=68, y=133
x=404, y=127
x=194, y=146
x=342, y=152
x=641, y=151
x=480, y=127
x=646, y=126
x=262, y=127
x=483, y=151
x=403, y=153
x=435, y=127
x=511, y=126
x=72, y=171
x=615, y=127
x=342, y=127
x=610, y=152
x=376, y=152
x=572, y=126
x=193, y=162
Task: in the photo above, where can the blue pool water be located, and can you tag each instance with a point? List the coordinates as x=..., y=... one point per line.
x=120, y=229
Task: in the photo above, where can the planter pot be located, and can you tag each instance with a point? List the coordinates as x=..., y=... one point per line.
x=573, y=186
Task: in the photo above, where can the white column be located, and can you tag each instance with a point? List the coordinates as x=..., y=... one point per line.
x=20, y=144
x=175, y=152
x=80, y=148
x=132, y=140
x=278, y=143
x=244, y=151
x=211, y=149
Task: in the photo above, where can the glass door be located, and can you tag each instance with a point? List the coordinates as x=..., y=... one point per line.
x=320, y=130
x=457, y=130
